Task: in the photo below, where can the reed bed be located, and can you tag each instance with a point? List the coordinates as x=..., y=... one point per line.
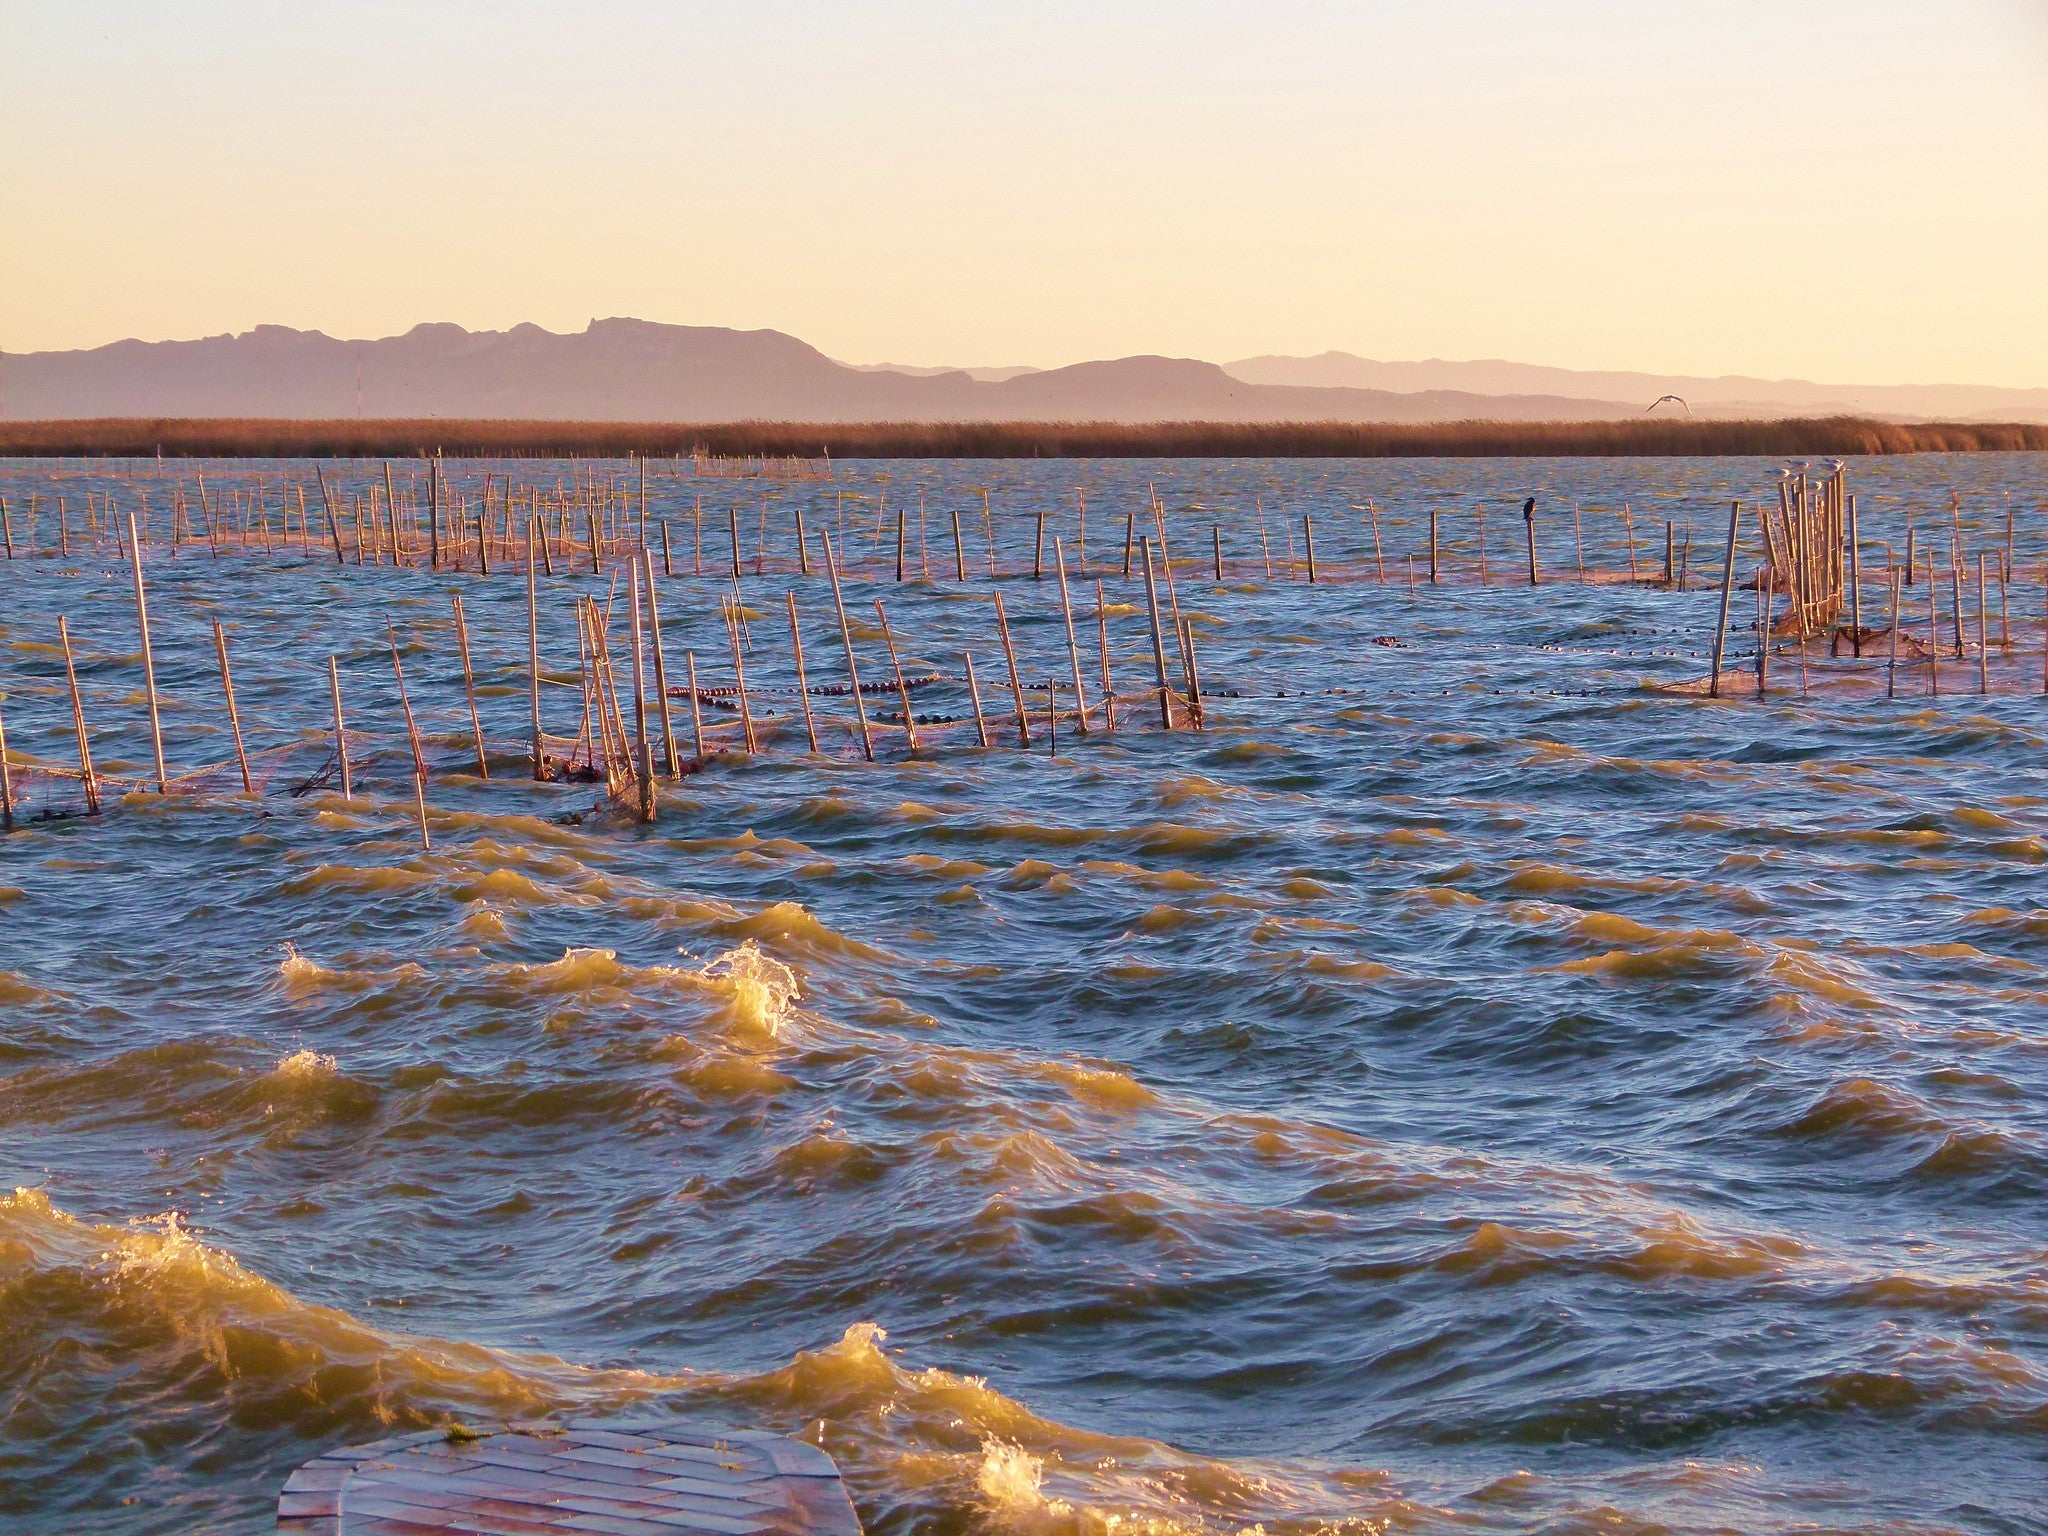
x=797, y=449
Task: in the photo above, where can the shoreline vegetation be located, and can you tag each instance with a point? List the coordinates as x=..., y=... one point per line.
x=198, y=437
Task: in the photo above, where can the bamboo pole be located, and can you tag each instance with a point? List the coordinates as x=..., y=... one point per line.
x=1628, y=523
x=739, y=672
x=1983, y=647
x=1158, y=642
x=1059, y=561
x=1933, y=633
x=540, y=753
x=391, y=508
x=327, y=506
x=1432, y=546
x=803, y=558
x=803, y=689
x=227, y=685
x=1102, y=639
x=896, y=665
x=1187, y=644
x=643, y=751
x=974, y=693
x=1130, y=526
x=412, y=731
x=7, y=528
x=1308, y=538
x=1727, y=588
x=1265, y=543
x=1215, y=551
x=476, y=729
x=696, y=706
x=1891, y=665
x=959, y=551
x=6, y=777
x=340, y=730
x=732, y=515
x=1037, y=549
x=1855, y=580
x=433, y=526
x=87, y=779
x=668, y=734
x=901, y=528
x=860, y=710
x=156, y=729
x=1016, y=682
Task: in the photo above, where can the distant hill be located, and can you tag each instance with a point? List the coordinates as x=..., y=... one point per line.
x=1730, y=395
x=635, y=370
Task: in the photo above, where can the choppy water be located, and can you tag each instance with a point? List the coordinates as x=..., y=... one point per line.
x=1493, y=1097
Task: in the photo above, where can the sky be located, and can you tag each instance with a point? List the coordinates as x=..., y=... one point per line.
x=1851, y=192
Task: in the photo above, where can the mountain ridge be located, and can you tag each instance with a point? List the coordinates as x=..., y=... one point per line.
x=624, y=369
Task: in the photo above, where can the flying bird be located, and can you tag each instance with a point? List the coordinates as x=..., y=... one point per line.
x=1662, y=399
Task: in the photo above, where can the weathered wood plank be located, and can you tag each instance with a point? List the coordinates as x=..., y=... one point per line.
x=628, y=1477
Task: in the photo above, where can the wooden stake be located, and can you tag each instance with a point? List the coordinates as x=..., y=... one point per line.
x=668, y=735
x=476, y=729
x=6, y=778
x=696, y=706
x=227, y=685
x=1855, y=581
x=860, y=710
x=1308, y=538
x=1983, y=647
x=156, y=729
x=1727, y=588
x=1579, y=539
x=959, y=551
x=89, y=782
x=803, y=689
x=1102, y=639
x=1038, y=549
x=1933, y=634
x=333, y=528
x=1628, y=522
x=643, y=752
x=974, y=693
x=1158, y=642
x=739, y=672
x=540, y=751
x=1891, y=666
x=1187, y=645
x=1059, y=560
x=340, y=731
x=1016, y=682
x=896, y=665
x=1130, y=526
x=412, y=731
x=1432, y=546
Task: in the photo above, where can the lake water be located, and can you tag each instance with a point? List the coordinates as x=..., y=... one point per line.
x=1463, y=1088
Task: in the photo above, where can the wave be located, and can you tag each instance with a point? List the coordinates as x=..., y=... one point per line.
x=234, y=1365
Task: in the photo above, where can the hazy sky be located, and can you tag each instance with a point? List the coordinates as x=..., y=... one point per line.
x=1853, y=191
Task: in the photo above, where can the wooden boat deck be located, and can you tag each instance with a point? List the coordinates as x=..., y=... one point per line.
x=609, y=1478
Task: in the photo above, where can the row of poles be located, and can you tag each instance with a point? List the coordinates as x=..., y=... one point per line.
x=627, y=754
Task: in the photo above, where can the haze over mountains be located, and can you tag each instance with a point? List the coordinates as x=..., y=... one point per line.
x=636, y=370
